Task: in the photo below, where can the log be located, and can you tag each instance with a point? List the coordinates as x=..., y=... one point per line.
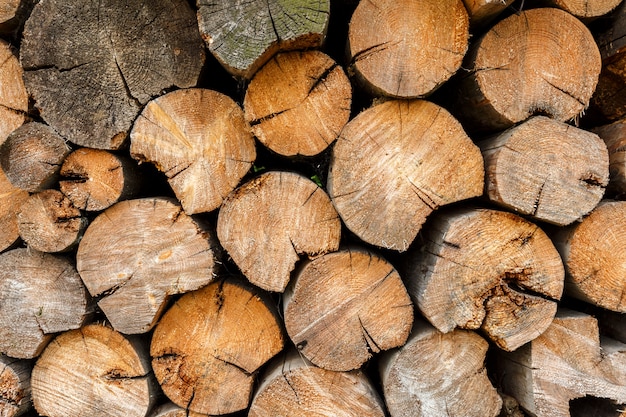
x=15, y=393
x=568, y=361
x=614, y=136
x=517, y=69
x=95, y=179
x=137, y=254
x=93, y=371
x=489, y=270
x=119, y=53
x=407, y=49
x=244, y=35
x=483, y=12
x=592, y=254
x=298, y=103
x=40, y=295
x=48, y=222
x=208, y=346
x=32, y=155
x=436, y=374
x=200, y=140
x=546, y=169
x=342, y=308
x=13, y=95
x=387, y=171
x=170, y=409
x=11, y=199
x=267, y=223
x=13, y=15
x=584, y=10
x=292, y=386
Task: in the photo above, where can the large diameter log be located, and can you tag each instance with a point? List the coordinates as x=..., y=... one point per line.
x=546, y=169
x=568, y=361
x=397, y=162
x=437, y=374
x=93, y=371
x=594, y=257
x=209, y=345
x=199, y=138
x=584, y=10
x=407, y=48
x=40, y=295
x=517, y=69
x=118, y=53
x=298, y=103
x=32, y=155
x=292, y=386
x=11, y=199
x=243, y=35
x=138, y=253
x=266, y=224
x=489, y=270
x=15, y=392
x=614, y=136
x=343, y=307
x=13, y=95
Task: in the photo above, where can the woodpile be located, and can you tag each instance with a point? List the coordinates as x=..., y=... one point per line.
x=312, y=208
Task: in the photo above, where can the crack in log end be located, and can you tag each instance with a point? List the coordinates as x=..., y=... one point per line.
x=270, y=116
x=112, y=290
x=121, y=375
x=321, y=79
x=372, y=346
x=514, y=281
x=293, y=389
x=233, y=364
x=367, y=52
x=592, y=180
x=565, y=92
x=219, y=296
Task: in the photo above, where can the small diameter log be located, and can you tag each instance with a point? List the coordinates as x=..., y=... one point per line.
x=536, y=61
x=344, y=307
x=48, y=222
x=489, y=270
x=138, y=253
x=594, y=256
x=546, y=169
x=199, y=138
x=483, y=12
x=407, y=48
x=244, y=35
x=568, y=361
x=437, y=374
x=292, y=386
x=15, y=393
x=397, y=162
x=298, y=103
x=95, y=179
x=40, y=294
x=32, y=155
x=586, y=10
x=13, y=95
x=269, y=222
x=614, y=136
x=93, y=371
x=208, y=346
x=11, y=199
x=119, y=53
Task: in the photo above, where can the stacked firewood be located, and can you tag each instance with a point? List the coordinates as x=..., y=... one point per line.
x=316, y=207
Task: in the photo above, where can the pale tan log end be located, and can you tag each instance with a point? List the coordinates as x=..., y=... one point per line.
x=13, y=94
x=11, y=199
x=614, y=136
x=15, y=392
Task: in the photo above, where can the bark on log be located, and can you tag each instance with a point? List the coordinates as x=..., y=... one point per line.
x=119, y=53
x=614, y=136
x=593, y=255
x=546, y=169
x=298, y=103
x=41, y=294
x=137, y=254
x=586, y=10
x=93, y=371
x=568, y=361
x=394, y=164
x=269, y=222
x=199, y=138
x=489, y=270
x=48, y=222
x=15, y=393
x=244, y=35
x=291, y=386
x=13, y=95
x=406, y=48
x=483, y=12
x=95, y=179
x=517, y=69
x=344, y=307
x=32, y=155
x=11, y=199
x=437, y=374
x=208, y=346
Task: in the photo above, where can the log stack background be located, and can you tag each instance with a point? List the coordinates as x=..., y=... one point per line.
x=339, y=208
